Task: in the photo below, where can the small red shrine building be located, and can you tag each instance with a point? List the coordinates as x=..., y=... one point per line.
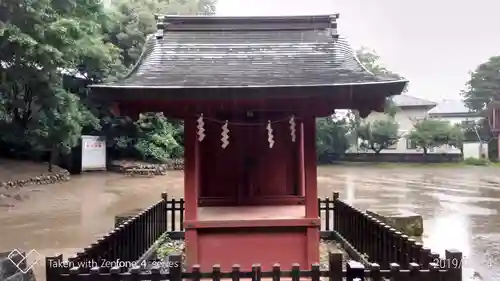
x=249, y=90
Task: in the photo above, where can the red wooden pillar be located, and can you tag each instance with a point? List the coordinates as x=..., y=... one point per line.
x=308, y=134
x=191, y=188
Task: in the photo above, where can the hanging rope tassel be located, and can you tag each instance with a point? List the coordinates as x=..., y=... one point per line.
x=270, y=137
x=292, y=128
x=201, y=129
x=225, y=135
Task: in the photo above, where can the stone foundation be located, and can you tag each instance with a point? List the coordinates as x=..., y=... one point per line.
x=49, y=178
x=148, y=169
x=169, y=246
x=410, y=224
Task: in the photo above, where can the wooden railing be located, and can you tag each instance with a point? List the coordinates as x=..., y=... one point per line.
x=172, y=270
x=365, y=238
x=132, y=238
x=384, y=244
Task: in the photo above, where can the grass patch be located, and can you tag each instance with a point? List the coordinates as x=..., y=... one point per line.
x=168, y=246
x=476, y=161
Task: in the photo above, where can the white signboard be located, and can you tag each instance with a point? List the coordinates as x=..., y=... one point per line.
x=93, y=153
x=473, y=150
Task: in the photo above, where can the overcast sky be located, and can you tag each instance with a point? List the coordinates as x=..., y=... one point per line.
x=433, y=43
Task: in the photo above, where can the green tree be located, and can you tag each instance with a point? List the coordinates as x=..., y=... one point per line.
x=331, y=137
x=391, y=109
x=430, y=133
x=456, y=137
x=133, y=20
x=59, y=128
x=483, y=85
x=130, y=24
x=379, y=134
x=158, y=141
x=371, y=61
x=40, y=40
x=325, y=127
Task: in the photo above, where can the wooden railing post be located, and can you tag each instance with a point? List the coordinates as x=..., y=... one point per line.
x=52, y=265
x=175, y=267
x=164, y=211
x=453, y=260
x=375, y=272
x=295, y=272
x=315, y=272
x=327, y=213
x=355, y=270
x=335, y=212
x=335, y=266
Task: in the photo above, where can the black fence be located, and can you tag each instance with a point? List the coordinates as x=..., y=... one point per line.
x=132, y=238
x=365, y=239
x=384, y=244
x=353, y=271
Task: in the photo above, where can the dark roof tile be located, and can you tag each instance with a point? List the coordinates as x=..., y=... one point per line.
x=244, y=54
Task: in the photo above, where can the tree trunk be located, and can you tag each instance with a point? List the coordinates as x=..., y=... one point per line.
x=50, y=163
x=425, y=150
x=52, y=157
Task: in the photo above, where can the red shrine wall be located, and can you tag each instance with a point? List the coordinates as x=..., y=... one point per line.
x=248, y=170
x=284, y=245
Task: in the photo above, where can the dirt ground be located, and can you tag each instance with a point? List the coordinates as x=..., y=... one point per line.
x=460, y=206
x=20, y=170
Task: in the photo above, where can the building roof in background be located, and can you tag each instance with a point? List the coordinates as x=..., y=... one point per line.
x=450, y=106
x=410, y=101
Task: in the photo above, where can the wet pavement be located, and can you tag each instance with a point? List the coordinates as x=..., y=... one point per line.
x=460, y=207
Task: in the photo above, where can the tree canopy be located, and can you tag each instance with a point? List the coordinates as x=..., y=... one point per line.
x=50, y=51
x=131, y=21
x=371, y=61
x=431, y=133
x=483, y=85
x=336, y=135
x=379, y=134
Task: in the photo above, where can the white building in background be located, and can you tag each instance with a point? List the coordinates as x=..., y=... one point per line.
x=412, y=110
x=455, y=112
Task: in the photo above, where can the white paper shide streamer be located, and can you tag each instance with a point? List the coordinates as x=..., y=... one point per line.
x=225, y=135
x=292, y=128
x=270, y=137
x=201, y=129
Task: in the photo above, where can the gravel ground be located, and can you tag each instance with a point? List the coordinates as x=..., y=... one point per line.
x=177, y=246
